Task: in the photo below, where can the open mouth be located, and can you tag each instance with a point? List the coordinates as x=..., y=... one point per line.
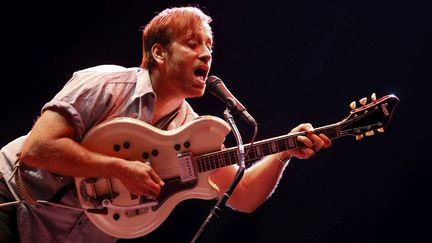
x=201, y=73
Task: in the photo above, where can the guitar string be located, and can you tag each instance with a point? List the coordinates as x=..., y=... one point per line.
x=213, y=161
x=219, y=159
x=204, y=163
x=359, y=117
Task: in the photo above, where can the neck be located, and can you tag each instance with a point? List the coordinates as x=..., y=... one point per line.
x=167, y=101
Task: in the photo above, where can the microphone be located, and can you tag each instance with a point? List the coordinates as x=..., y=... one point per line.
x=218, y=89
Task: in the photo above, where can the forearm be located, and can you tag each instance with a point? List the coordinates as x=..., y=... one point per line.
x=258, y=183
x=67, y=157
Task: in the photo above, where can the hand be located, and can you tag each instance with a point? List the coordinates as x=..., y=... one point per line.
x=140, y=178
x=313, y=143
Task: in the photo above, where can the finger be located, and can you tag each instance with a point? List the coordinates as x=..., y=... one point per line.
x=134, y=190
x=307, y=153
x=139, y=189
x=155, y=177
x=306, y=141
x=326, y=140
x=151, y=187
x=303, y=127
x=308, y=128
x=317, y=142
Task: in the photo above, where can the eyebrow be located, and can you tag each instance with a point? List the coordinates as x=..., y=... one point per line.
x=194, y=34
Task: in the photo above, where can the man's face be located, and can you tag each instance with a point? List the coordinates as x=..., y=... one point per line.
x=188, y=62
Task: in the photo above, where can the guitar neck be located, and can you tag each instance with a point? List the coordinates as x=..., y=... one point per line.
x=259, y=149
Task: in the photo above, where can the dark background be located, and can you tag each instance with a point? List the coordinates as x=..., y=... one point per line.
x=288, y=62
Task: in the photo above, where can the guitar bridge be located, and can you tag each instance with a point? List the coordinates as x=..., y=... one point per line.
x=96, y=190
x=187, y=170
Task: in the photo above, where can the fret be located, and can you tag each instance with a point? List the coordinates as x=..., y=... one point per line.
x=205, y=163
x=218, y=163
x=292, y=142
x=225, y=157
x=273, y=147
x=195, y=166
x=259, y=151
x=215, y=159
x=282, y=145
x=251, y=155
x=213, y=164
x=212, y=160
x=221, y=161
x=233, y=157
x=208, y=167
x=266, y=149
x=255, y=150
x=200, y=162
x=333, y=133
x=228, y=158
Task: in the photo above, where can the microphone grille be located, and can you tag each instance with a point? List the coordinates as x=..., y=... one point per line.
x=211, y=79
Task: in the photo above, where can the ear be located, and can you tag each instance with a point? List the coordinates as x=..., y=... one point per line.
x=158, y=52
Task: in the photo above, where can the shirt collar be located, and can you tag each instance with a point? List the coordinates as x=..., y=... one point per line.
x=143, y=85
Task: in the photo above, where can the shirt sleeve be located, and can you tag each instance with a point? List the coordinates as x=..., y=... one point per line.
x=89, y=96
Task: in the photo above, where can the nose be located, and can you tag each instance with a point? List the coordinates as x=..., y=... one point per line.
x=206, y=55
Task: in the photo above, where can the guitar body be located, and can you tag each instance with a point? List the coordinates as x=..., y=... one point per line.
x=132, y=139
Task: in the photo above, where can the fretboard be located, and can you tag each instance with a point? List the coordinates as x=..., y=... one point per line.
x=259, y=149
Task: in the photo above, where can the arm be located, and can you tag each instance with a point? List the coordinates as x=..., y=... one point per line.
x=260, y=180
x=51, y=146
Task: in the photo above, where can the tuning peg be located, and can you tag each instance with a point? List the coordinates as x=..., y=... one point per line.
x=353, y=105
x=369, y=133
x=358, y=137
x=373, y=97
x=380, y=129
x=363, y=101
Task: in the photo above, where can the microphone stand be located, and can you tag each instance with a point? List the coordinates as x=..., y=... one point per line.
x=217, y=208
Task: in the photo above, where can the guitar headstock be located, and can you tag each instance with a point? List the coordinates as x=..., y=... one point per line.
x=370, y=117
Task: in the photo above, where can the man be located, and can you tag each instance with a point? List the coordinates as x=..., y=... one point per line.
x=177, y=55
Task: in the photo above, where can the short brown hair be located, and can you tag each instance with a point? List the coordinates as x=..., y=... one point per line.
x=168, y=25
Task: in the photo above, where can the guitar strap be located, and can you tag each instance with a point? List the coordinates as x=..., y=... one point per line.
x=23, y=195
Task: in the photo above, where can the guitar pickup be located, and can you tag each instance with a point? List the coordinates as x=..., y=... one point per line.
x=187, y=170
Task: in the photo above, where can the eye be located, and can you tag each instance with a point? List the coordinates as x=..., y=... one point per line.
x=192, y=44
x=210, y=48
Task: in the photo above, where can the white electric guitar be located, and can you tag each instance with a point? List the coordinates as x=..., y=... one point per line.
x=183, y=158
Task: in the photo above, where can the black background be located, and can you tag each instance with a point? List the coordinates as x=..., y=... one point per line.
x=288, y=62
